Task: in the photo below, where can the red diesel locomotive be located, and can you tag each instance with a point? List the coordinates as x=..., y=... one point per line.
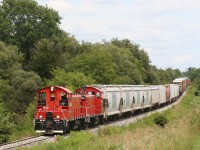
x=58, y=110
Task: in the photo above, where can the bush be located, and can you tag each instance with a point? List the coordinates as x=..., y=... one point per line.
x=23, y=124
x=5, y=125
x=160, y=120
x=196, y=93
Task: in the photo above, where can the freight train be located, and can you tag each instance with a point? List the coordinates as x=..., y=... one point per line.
x=58, y=110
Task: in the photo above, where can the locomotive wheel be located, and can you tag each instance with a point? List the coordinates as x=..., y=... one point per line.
x=92, y=122
x=101, y=120
x=86, y=125
x=68, y=130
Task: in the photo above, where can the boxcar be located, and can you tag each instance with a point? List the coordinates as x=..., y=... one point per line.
x=182, y=82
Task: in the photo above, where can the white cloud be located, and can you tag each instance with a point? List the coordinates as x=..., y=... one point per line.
x=159, y=7
x=103, y=2
x=182, y=59
x=58, y=5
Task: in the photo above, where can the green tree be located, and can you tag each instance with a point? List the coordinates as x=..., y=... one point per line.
x=126, y=43
x=85, y=47
x=4, y=87
x=16, y=85
x=71, y=80
x=51, y=53
x=173, y=73
x=96, y=63
x=25, y=124
x=5, y=125
x=10, y=60
x=167, y=75
x=22, y=89
x=194, y=75
x=23, y=22
x=141, y=58
x=127, y=67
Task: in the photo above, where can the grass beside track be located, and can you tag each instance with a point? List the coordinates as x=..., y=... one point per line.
x=182, y=131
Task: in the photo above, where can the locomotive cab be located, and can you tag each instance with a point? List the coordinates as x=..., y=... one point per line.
x=51, y=109
x=63, y=100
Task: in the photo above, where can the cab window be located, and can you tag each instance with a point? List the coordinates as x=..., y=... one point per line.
x=52, y=96
x=63, y=99
x=98, y=95
x=41, y=99
x=91, y=93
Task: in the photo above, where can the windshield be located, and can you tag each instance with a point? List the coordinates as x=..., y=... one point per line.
x=41, y=99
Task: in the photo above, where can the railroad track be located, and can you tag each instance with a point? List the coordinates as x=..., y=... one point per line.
x=25, y=142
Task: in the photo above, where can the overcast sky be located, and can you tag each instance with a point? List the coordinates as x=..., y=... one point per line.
x=169, y=30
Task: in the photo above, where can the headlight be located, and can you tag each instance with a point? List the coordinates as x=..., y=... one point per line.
x=40, y=116
x=57, y=116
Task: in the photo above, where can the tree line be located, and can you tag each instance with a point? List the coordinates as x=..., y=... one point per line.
x=35, y=52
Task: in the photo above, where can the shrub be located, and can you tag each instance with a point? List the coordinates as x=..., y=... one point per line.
x=197, y=93
x=5, y=125
x=160, y=120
